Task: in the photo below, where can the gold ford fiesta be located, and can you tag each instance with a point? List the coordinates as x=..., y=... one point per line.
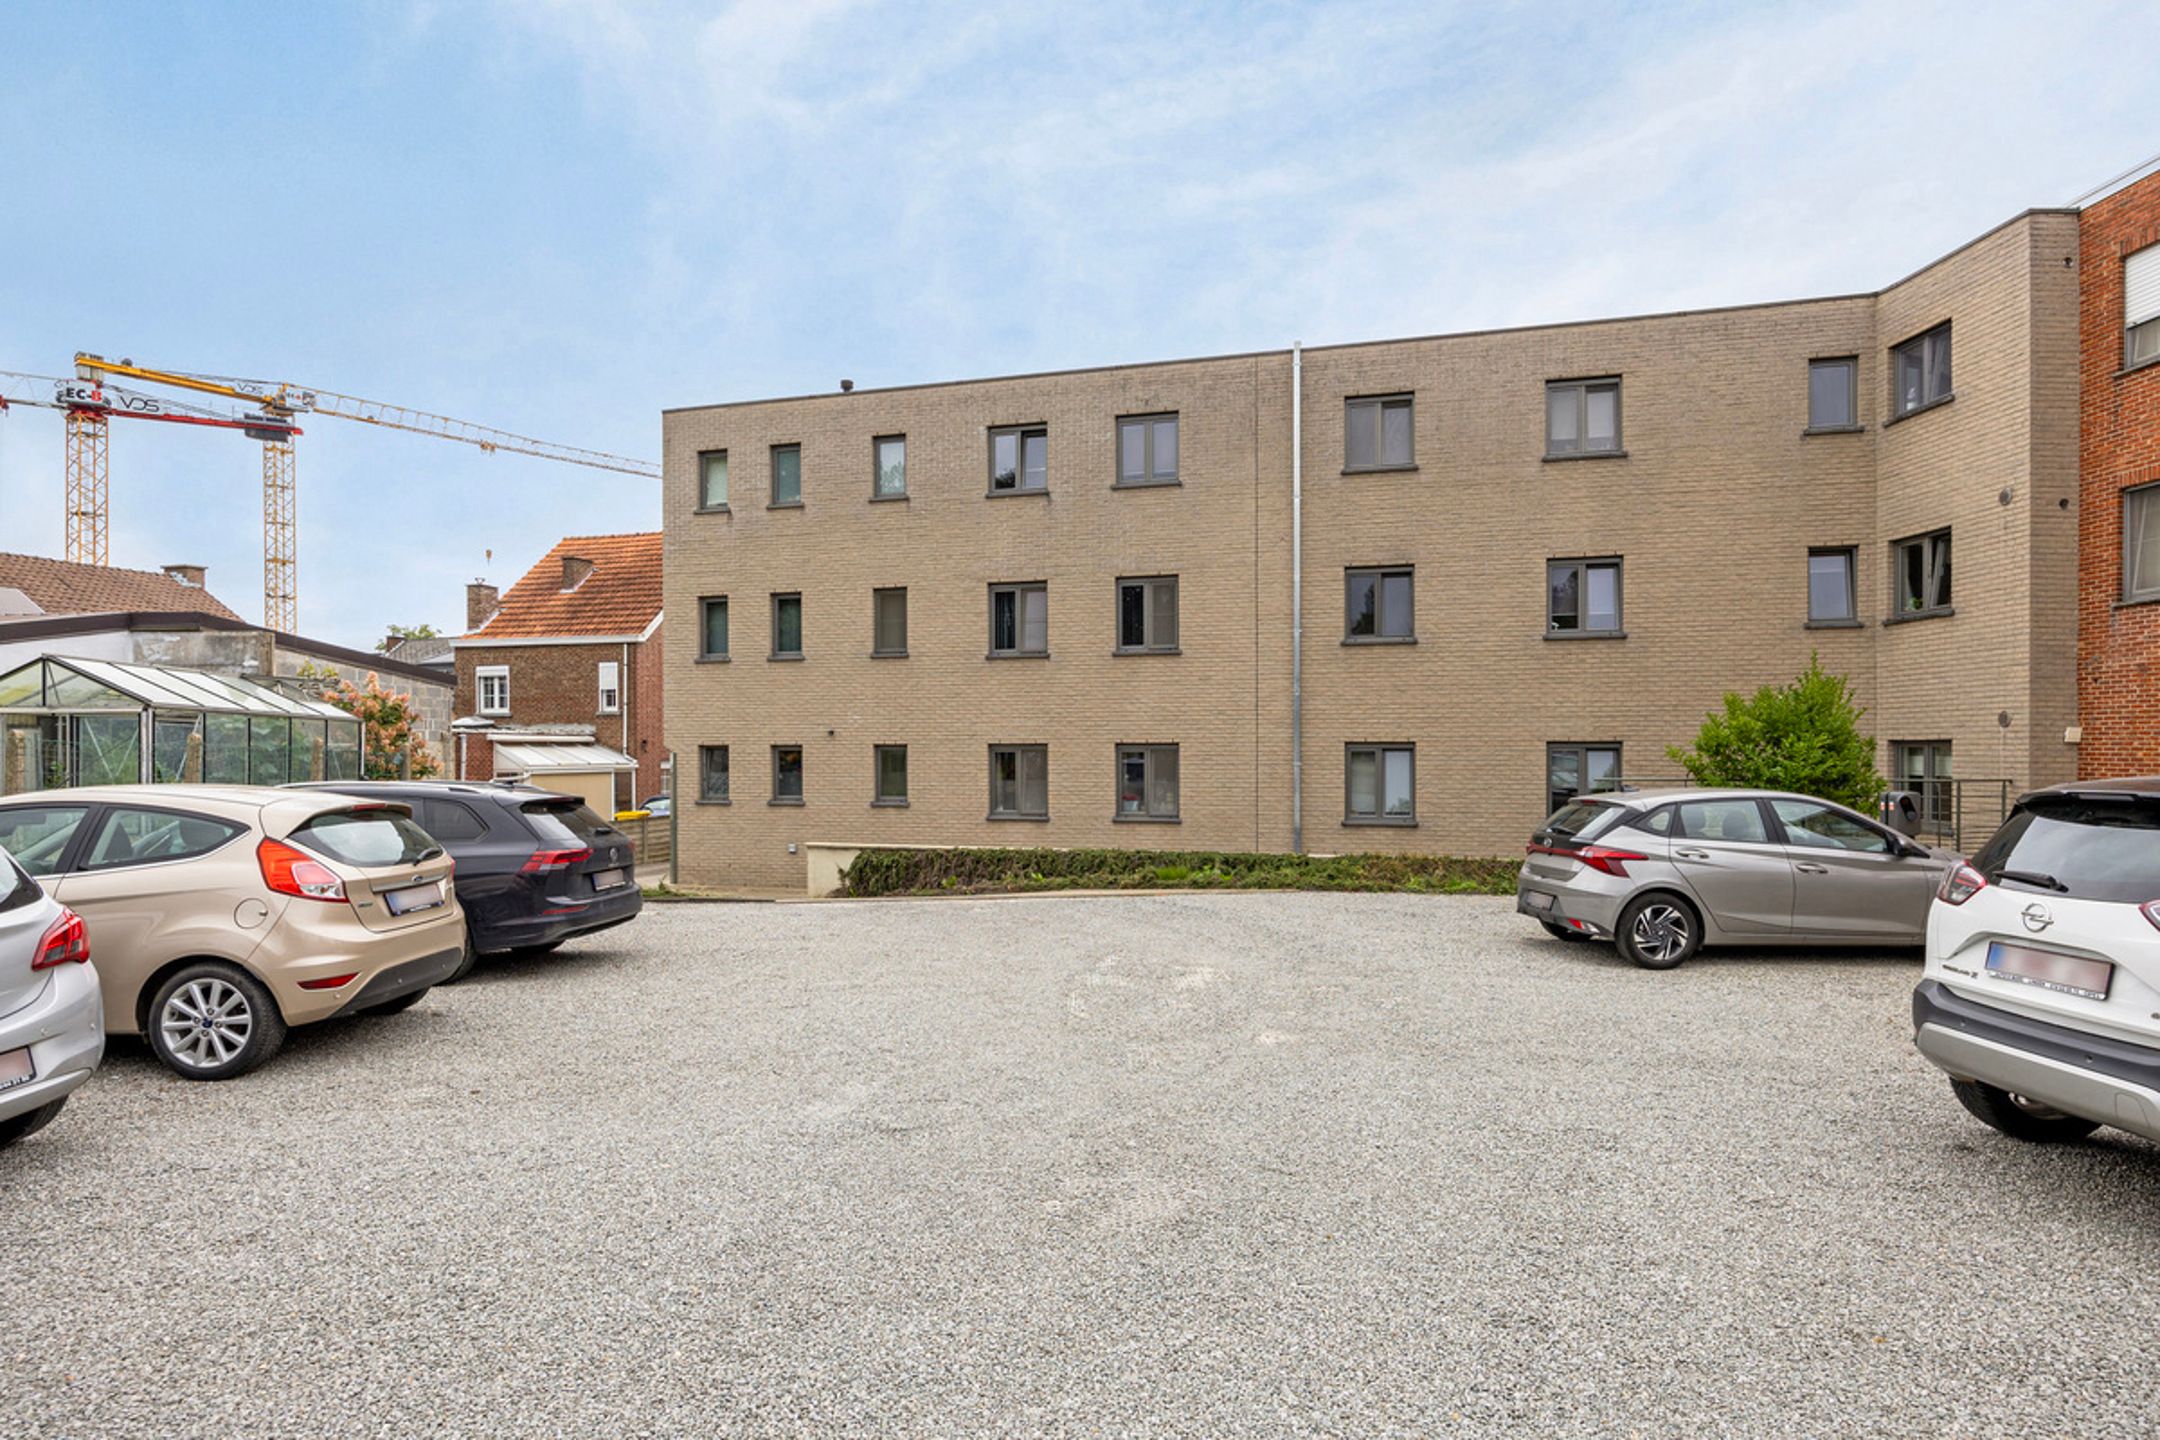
x=222, y=915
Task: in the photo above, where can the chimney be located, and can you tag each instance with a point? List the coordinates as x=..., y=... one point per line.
x=480, y=604
x=188, y=575
x=574, y=570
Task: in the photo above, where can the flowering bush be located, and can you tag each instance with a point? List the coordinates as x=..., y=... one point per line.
x=388, y=716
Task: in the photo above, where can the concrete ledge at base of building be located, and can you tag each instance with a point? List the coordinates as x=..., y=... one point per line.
x=975, y=870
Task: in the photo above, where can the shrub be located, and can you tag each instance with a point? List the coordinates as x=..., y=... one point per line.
x=917, y=872
x=1803, y=737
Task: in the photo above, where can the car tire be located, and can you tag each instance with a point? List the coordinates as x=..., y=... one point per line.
x=402, y=1003
x=1658, y=931
x=1560, y=932
x=465, y=963
x=2018, y=1117
x=23, y=1126
x=249, y=1028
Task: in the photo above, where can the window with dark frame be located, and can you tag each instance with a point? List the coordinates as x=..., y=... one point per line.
x=1380, y=784
x=1379, y=432
x=787, y=775
x=1922, y=565
x=889, y=775
x=1833, y=392
x=1019, y=459
x=1378, y=604
x=888, y=621
x=712, y=628
x=787, y=625
x=2141, y=543
x=1923, y=766
x=1020, y=619
x=1147, y=614
x=1019, y=782
x=712, y=480
x=1583, y=597
x=2141, y=307
x=1147, y=782
x=1147, y=447
x=713, y=774
x=1831, y=599
x=888, y=467
x=786, y=475
x=1920, y=371
x=1582, y=417
x=1574, y=769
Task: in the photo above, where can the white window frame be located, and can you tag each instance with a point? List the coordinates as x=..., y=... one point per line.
x=610, y=687
x=481, y=675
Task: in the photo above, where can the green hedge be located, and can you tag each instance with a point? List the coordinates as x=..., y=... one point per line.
x=969, y=872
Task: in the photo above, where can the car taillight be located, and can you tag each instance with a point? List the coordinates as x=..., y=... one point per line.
x=1598, y=857
x=1960, y=883
x=294, y=872
x=65, y=942
x=330, y=982
x=543, y=862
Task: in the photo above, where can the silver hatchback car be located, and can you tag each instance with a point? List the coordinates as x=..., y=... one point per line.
x=1663, y=873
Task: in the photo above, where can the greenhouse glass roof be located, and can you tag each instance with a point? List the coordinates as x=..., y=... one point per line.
x=58, y=683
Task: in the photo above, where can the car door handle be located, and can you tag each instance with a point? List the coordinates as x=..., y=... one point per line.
x=1806, y=867
x=1691, y=854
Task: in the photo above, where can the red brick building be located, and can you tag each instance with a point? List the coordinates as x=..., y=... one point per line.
x=559, y=679
x=2119, y=469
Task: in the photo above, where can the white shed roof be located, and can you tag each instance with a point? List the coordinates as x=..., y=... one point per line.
x=560, y=759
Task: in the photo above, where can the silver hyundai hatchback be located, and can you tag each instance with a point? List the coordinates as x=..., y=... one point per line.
x=1663, y=873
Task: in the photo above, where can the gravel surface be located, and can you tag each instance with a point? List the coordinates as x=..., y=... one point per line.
x=1179, y=1165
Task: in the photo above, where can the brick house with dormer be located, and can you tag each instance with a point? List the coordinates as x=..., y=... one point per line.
x=558, y=680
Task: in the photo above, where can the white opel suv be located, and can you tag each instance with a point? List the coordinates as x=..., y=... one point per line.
x=2041, y=998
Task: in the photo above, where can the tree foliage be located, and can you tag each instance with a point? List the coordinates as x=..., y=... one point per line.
x=1803, y=737
x=407, y=632
x=390, y=722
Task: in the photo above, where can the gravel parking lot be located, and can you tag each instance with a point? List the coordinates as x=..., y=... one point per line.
x=1170, y=1165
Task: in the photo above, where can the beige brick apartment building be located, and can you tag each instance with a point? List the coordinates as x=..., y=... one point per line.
x=1057, y=609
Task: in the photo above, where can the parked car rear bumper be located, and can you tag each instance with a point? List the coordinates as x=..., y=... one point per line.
x=1588, y=911
x=398, y=980
x=525, y=931
x=2095, y=1077
x=65, y=1030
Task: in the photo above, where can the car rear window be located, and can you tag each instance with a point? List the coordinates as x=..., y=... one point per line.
x=367, y=838
x=16, y=888
x=2092, y=849
x=1585, y=818
x=565, y=823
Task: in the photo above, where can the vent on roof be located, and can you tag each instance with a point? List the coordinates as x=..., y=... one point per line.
x=574, y=570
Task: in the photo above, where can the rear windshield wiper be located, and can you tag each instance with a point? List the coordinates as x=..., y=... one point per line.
x=2032, y=877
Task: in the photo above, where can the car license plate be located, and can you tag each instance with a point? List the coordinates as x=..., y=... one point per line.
x=16, y=1068
x=412, y=898
x=1538, y=899
x=2050, y=970
x=609, y=879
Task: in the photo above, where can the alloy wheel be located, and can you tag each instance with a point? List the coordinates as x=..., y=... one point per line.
x=1661, y=931
x=205, y=1023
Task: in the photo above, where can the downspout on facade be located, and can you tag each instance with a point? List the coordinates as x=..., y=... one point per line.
x=1297, y=597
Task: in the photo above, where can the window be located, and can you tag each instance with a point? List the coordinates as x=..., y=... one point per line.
x=1833, y=394
x=888, y=477
x=712, y=774
x=1818, y=827
x=449, y=820
x=1920, y=371
x=37, y=836
x=1377, y=605
x=712, y=480
x=610, y=687
x=144, y=837
x=1019, y=459
x=1377, y=433
x=787, y=626
x=1147, y=782
x=493, y=682
x=1830, y=598
x=1923, y=767
x=712, y=628
x=888, y=621
x=1147, y=614
x=787, y=786
x=1019, y=782
x=1582, y=597
x=1738, y=821
x=1923, y=574
x=786, y=475
x=1147, y=447
x=1020, y=619
x=889, y=778
x=2141, y=306
x=1380, y=784
x=2141, y=543
x=1571, y=770
x=1582, y=417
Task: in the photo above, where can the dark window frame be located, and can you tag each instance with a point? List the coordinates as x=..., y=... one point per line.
x=1581, y=388
x=878, y=798
x=1937, y=786
x=877, y=595
x=2136, y=495
x=877, y=467
x=706, y=604
x=1852, y=396
x=1851, y=618
x=1149, y=753
x=1380, y=750
x=1021, y=435
x=1145, y=584
x=1379, y=575
x=1019, y=782
x=1379, y=405
x=1150, y=477
x=776, y=653
x=1582, y=749
x=1583, y=565
x=1930, y=574
x=772, y=477
x=801, y=794
x=706, y=505
x=1922, y=345
x=1018, y=589
x=705, y=754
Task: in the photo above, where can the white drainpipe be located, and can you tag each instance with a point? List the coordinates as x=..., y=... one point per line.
x=1297, y=597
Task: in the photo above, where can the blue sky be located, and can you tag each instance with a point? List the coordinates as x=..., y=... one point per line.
x=560, y=218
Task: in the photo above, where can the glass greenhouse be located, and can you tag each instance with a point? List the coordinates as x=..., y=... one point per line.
x=103, y=722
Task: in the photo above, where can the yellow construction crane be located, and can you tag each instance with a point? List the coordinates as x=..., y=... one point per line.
x=278, y=403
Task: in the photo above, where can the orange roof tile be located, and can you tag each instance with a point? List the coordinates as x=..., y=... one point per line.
x=67, y=587
x=619, y=596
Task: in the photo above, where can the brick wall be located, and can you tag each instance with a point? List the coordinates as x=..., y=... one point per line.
x=559, y=684
x=2118, y=670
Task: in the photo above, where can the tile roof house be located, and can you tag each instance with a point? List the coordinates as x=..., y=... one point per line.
x=558, y=679
x=65, y=587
